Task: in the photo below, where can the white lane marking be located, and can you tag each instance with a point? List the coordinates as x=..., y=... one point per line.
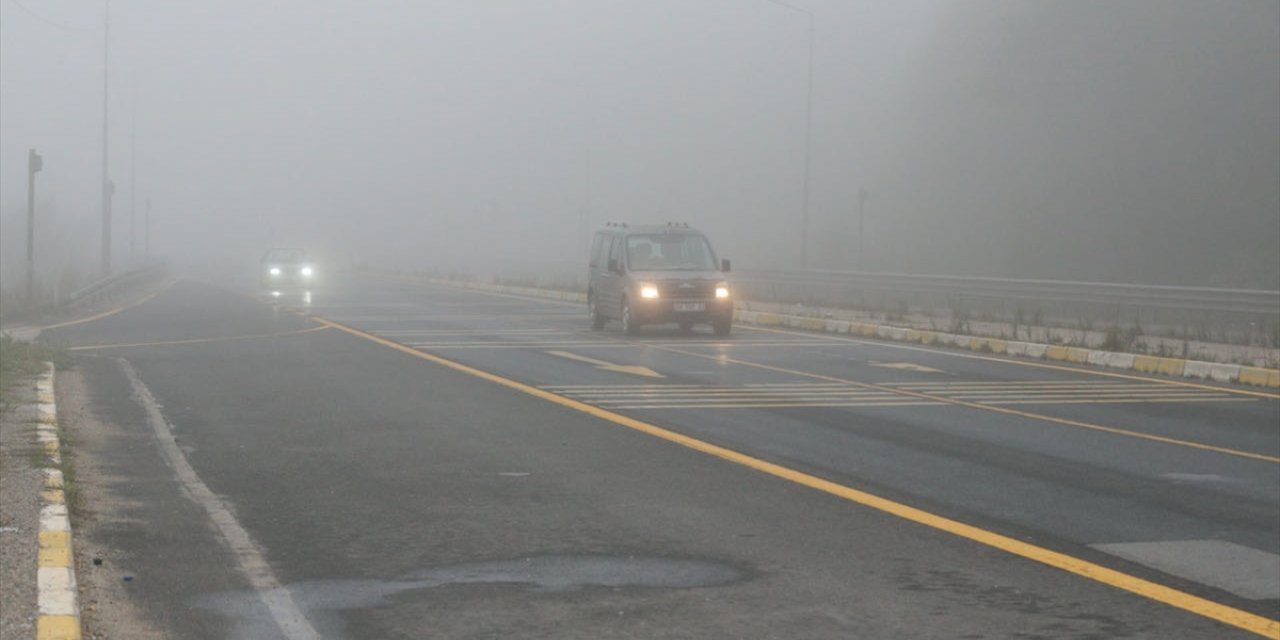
x=905, y=366
x=468, y=332
x=288, y=617
x=1244, y=571
x=636, y=370
x=1208, y=478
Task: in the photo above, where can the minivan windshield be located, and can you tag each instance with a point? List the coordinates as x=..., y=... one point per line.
x=674, y=251
x=284, y=255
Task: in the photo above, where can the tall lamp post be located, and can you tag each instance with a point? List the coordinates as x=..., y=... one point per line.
x=133, y=171
x=808, y=139
x=107, y=187
x=34, y=164
x=862, y=205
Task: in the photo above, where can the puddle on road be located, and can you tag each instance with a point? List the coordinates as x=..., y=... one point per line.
x=321, y=600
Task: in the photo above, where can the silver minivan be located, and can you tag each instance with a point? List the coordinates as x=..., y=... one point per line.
x=657, y=274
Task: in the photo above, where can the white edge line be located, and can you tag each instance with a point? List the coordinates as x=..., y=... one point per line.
x=249, y=556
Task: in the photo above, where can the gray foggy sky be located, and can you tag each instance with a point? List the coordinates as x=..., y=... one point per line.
x=1133, y=141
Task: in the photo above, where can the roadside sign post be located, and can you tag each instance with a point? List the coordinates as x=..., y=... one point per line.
x=34, y=164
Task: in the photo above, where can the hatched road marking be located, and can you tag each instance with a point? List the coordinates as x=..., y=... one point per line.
x=1244, y=571
x=1066, y=392
x=755, y=396
x=838, y=394
x=1151, y=590
x=1079, y=424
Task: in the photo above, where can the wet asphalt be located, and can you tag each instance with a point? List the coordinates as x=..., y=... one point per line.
x=395, y=497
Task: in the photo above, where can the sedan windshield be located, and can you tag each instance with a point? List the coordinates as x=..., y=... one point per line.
x=658, y=252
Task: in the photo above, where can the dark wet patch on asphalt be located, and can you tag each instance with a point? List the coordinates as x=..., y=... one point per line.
x=320, y=600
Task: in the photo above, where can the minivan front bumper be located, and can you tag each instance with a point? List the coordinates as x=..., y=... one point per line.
x=660, y=311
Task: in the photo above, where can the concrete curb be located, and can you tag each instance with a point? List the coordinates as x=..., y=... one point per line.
x=1176, y=367
x=58, y=607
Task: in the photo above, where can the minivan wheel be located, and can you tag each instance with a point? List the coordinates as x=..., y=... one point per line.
x=629, y=326
x=722, y=327
x=597, y=320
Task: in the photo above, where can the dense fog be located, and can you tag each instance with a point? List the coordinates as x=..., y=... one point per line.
x=1133, y=141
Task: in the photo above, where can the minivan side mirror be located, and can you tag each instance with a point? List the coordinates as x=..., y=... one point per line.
x=724, y=265
x=613, y=265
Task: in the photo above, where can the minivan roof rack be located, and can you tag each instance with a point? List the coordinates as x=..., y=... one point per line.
x=616, y=224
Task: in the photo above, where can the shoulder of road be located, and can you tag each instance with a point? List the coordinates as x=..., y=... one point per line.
x=54, y=609
x=1175, y=367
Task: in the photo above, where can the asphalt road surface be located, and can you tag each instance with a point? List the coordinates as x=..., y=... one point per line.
x=389, y=459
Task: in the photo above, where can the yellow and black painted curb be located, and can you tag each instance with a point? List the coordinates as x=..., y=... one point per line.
x=56, y=600
x=1176, y=367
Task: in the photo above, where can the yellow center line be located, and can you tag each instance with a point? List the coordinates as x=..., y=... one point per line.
x=1041, y=365
x=987, y=407
x=198, y=340
x=1154, y=591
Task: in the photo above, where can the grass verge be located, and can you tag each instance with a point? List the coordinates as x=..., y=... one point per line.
x=24, y=360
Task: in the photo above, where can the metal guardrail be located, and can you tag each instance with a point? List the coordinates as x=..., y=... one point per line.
x=113, y=284
x=838, y=285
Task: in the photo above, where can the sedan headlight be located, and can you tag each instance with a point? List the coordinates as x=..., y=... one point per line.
x=649, y=291
x=275, y=271
x=306, y=272
x=722, y=290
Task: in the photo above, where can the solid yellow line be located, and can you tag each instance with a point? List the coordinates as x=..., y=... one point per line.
x=112, y=312
x=1133, y=584
x=197, y=340
x=996, y=409
x=774, y=405
x=1092, y=372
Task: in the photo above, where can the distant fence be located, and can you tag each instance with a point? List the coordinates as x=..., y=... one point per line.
x=1226, y=313
x=837, y=285
x=1242, y=316
x=113, y=286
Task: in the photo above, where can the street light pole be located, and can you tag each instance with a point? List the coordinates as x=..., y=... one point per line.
x=133, y=171
x=106, y=183
x=34, y=164
x=808, y=138
x=862, y=205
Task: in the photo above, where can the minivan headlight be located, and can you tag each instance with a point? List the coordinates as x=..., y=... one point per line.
x=722, y=290
x=306, y=272
x=649, y=291
x=275, y=271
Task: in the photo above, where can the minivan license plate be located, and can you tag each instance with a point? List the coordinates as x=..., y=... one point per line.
x=691, y=306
